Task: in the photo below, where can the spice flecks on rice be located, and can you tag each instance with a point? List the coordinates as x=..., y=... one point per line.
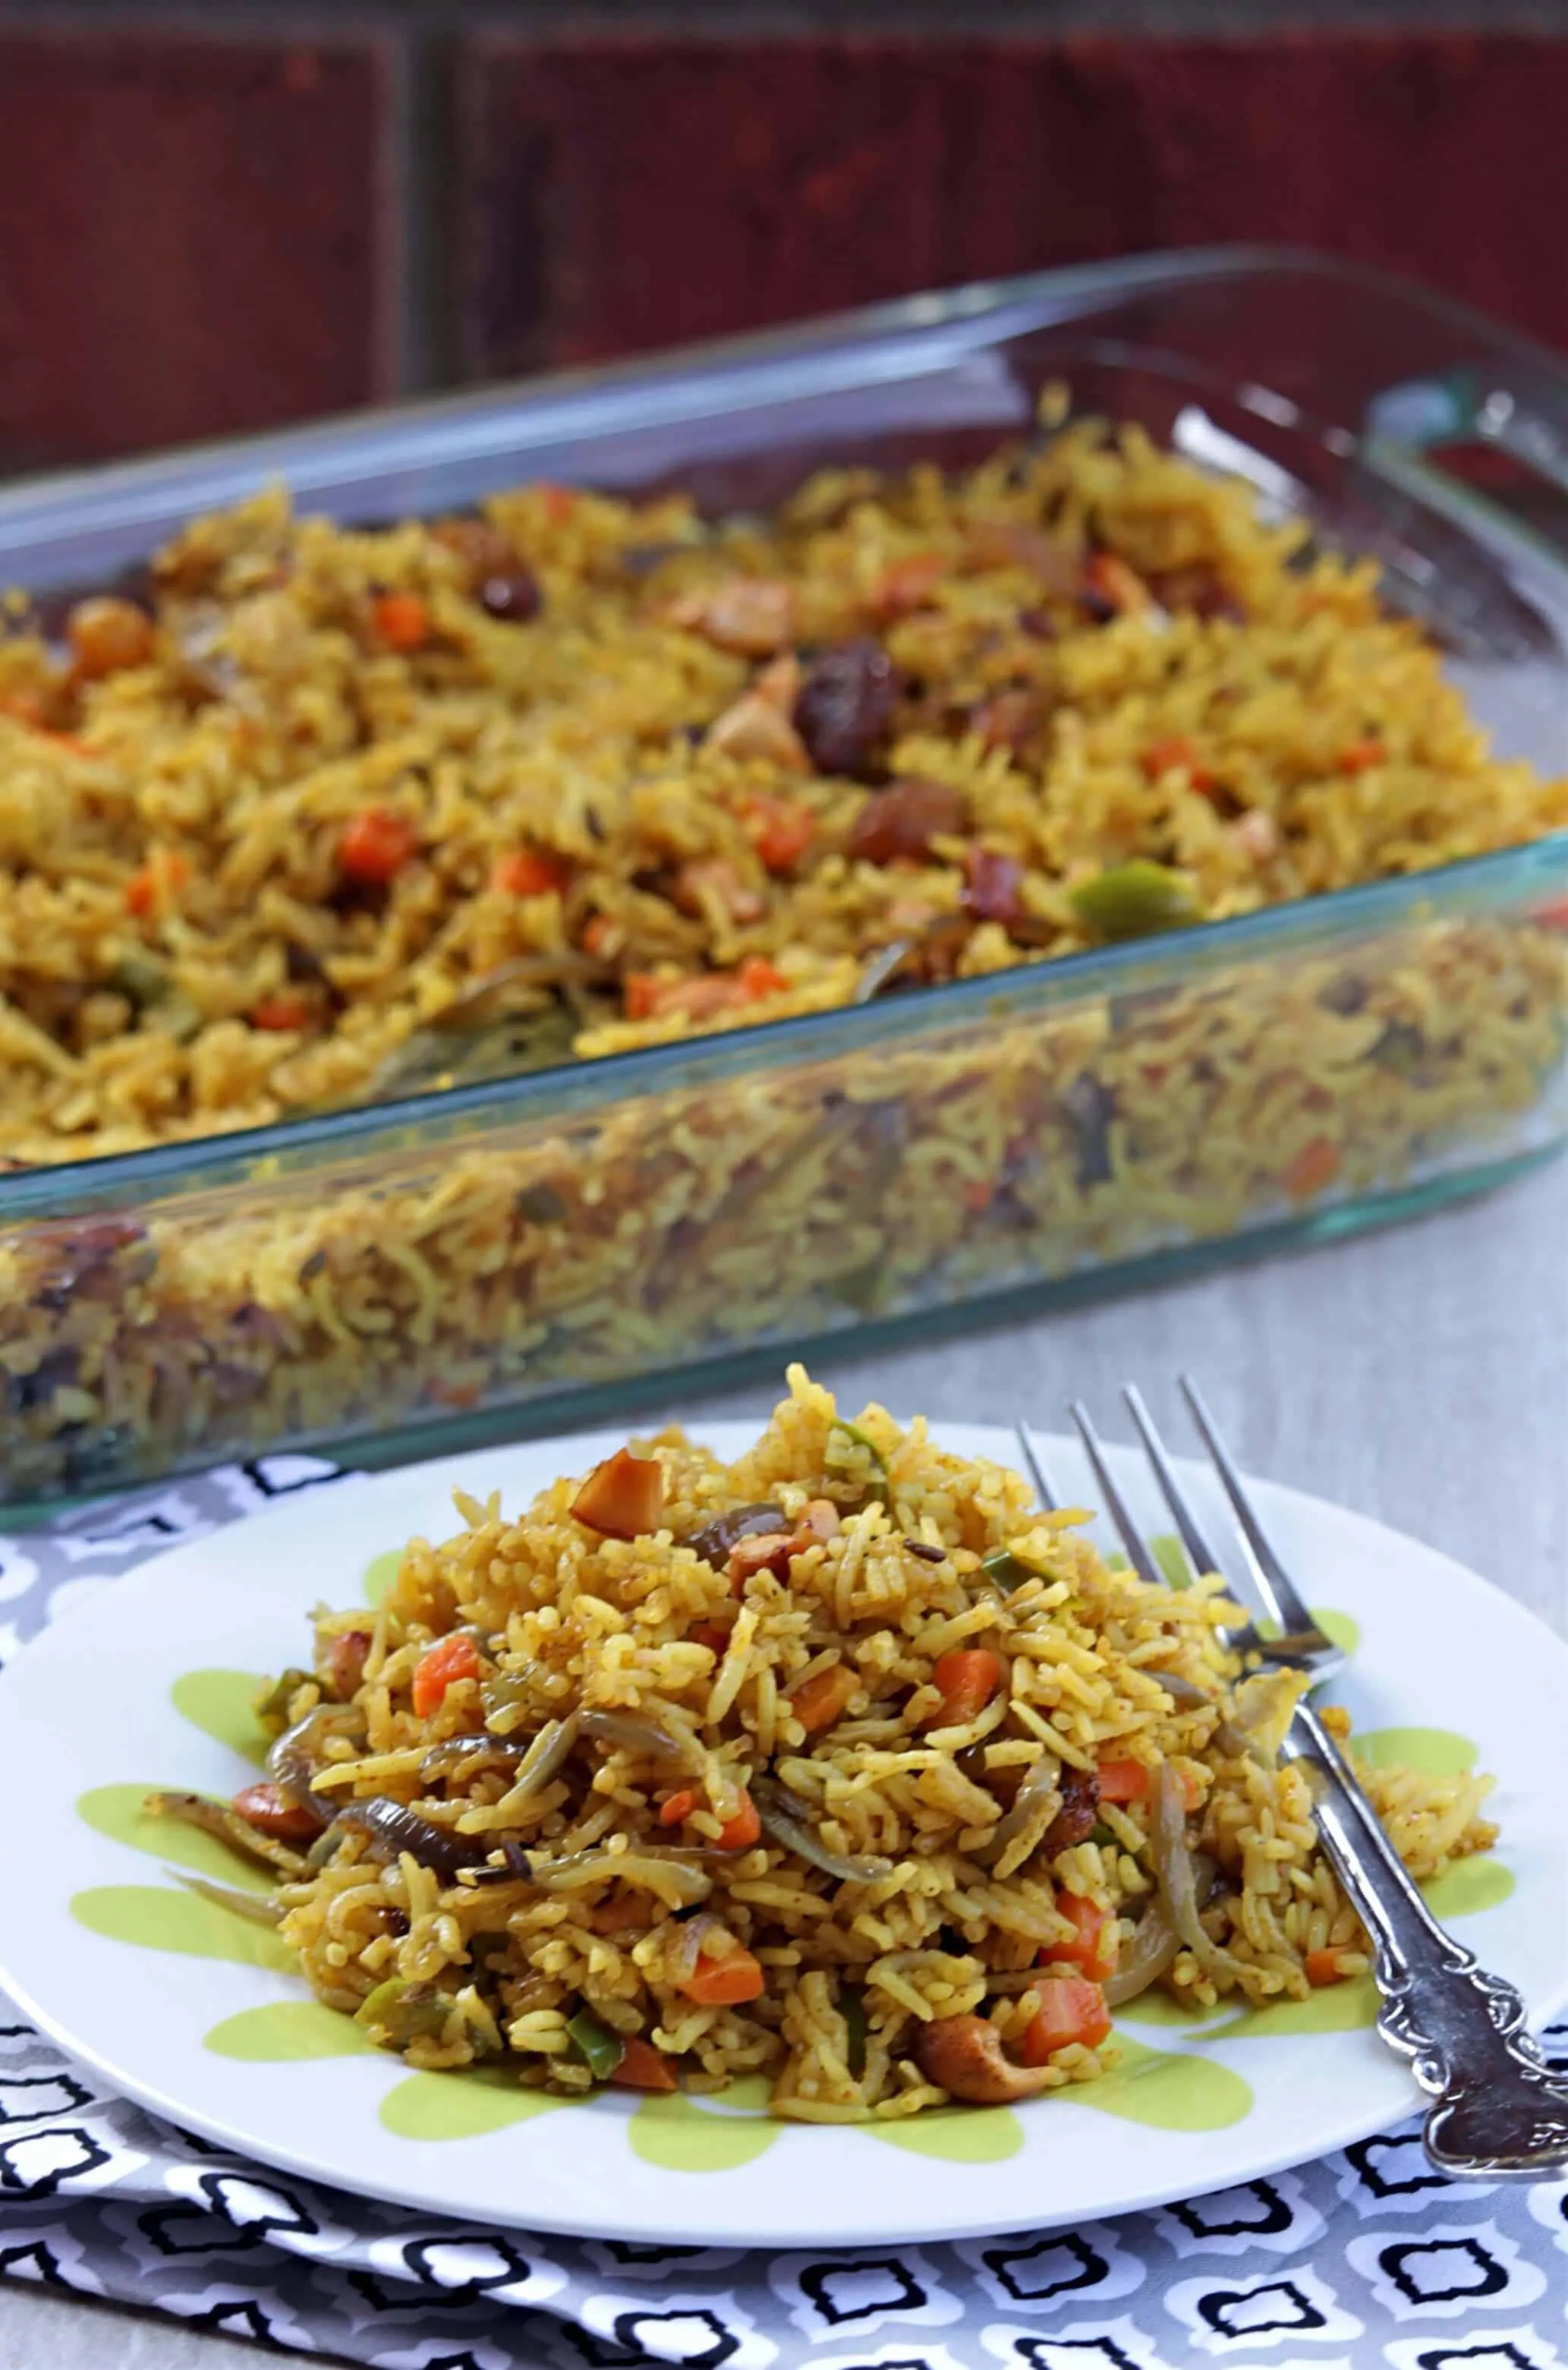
x=841, y=1763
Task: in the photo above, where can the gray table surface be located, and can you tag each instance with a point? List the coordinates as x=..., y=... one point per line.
x=1420, y=1375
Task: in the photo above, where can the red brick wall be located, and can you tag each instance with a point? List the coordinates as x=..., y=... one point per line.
x=193, y=238
x=200, y=232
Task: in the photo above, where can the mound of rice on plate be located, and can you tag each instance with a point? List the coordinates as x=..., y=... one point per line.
x=840, y=1764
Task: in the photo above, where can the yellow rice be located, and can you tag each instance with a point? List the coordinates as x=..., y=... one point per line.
x=853, y=1971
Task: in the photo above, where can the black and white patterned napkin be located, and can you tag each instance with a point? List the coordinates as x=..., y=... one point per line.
x=1364, y=2258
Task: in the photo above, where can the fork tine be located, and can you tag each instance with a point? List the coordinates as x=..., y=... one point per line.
x=1132, y=1538
x=1045, y=1488
x=1202, y=1555
x=1272, y=1581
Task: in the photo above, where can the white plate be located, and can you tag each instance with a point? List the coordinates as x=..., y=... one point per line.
x=94, y=1704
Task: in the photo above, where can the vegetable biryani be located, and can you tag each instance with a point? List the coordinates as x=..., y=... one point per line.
x=839, y=1764
x=327, y=816
x=332, y=814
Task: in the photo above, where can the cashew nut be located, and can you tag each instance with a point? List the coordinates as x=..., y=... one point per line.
x=964, y=2054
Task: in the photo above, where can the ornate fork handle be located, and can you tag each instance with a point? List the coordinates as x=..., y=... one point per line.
x=1498, y=2112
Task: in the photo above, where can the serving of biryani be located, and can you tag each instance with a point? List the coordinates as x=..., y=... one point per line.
x=839, y=1763
x=327, y=816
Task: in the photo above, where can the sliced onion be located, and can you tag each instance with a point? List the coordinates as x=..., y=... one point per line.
x=1265, y=1705
x=478, y=1751
x=217, y=1819
x=629, y=1732
x=515, y=1868
x=254, y=1906
x=326, y=1843
x=786, y=1818
x=391, y=1828
x=1144, y=1959
x=1183, y=1692
x=674, y=1872
x=293, y=1757
x=546, y=1754
x=714, y=1540
x=1040, y=1786
x=688, y=1949
x=1154, y=1943
x=1175, y=1871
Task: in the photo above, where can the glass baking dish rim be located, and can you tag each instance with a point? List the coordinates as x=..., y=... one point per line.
x=926, y=312
x=574, y=1089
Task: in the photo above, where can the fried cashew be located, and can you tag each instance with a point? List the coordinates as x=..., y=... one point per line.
x=964, y=2054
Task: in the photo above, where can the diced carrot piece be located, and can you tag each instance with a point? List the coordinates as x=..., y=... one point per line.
x=560, y=502
x=643, y=2067
x=269, y=1808
x=818, y=1702
x=1323, y=1966
x=280, y=1011
x=455, y=1395
x=908, y=583
x=402, y=620
x=1094, y=1944
x=1071, y=2010
x=346, y=1663
x=741, y=1832
x=978, y=1196
x=758, y=977
x=1313, y=1169
x=375, y=845
x=781, y=833
x=968, y=1677
x=1123, y=1781
x=524, y=874
x=598, y=935
x=162, y=876
x=1191, y=1785
x=1116, y=581
x=677, y=1806
x=623, y=1497
x=724, y=1983
x=442, y=1666
x=696, y=997
x=1360, y=754
x=1161, y=755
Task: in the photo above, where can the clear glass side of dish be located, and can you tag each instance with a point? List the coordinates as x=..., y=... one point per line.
x=394, y=1281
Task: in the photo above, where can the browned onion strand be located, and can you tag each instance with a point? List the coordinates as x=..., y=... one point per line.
x=787, y=1819
x=293, y=1759
x=256, y=1906
x=1039, y=1784
x=1154, y=1941
x=391, y=1828
x=221, y=1821
x=630, y=1732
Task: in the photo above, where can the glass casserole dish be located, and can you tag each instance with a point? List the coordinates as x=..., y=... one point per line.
x=394, y=1278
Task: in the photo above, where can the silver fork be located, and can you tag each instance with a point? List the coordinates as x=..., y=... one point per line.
x=1498, y=2113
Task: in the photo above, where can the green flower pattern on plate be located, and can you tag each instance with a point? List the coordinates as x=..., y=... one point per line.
x=1168, y=2089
